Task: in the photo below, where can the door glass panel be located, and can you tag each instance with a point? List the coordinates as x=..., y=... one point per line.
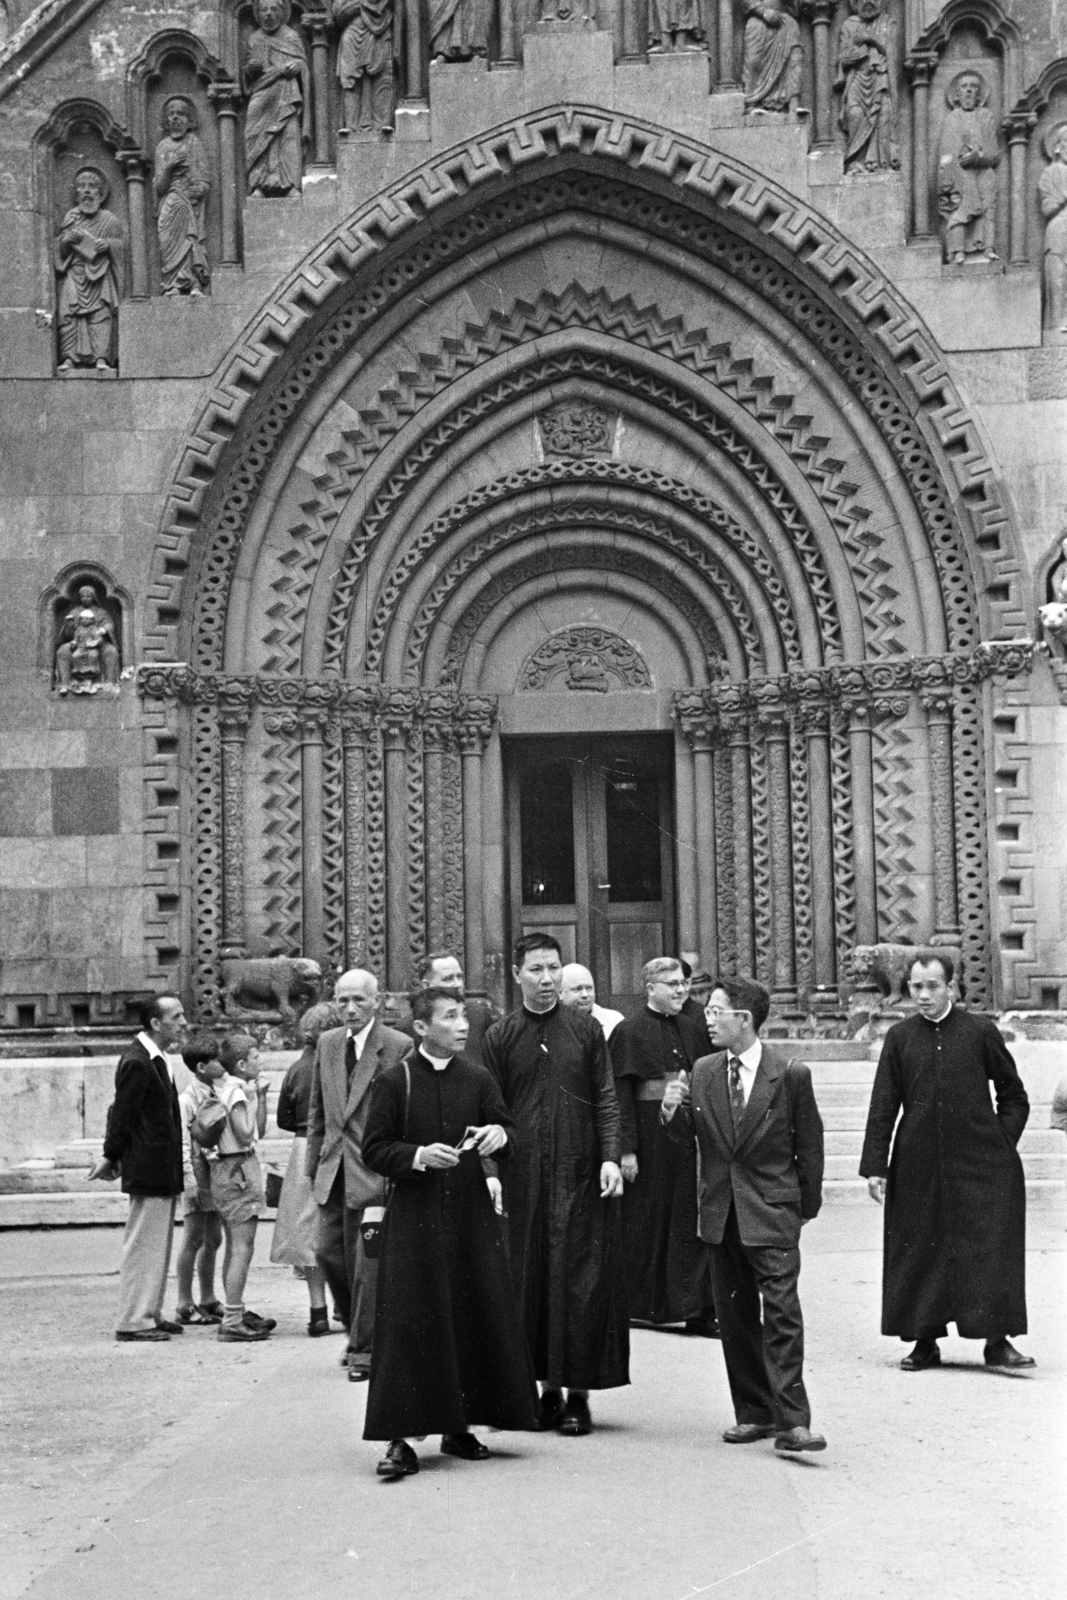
x=546, y=810
x=564, y=932
x=631, y=803
x=631, y=945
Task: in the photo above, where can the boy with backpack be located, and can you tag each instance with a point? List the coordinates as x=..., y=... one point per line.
x=202, y=1228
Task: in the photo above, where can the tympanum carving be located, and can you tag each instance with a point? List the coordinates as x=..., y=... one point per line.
x=771, y=60
x=865, y=65
x=967, y=172
x=90, y=253
x=1052, y=192
x=589, y=659
x=277, y=80
x=182, y=181
x=365, y=63
x=576, y=430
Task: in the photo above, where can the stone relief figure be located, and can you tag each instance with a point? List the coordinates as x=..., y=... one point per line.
x=277, y=80
x=459, y=29
x=771, y=58
x=1053, y=613
x=674, y=25
x=1052, y=193
x=90, y=264
x=868, y=116
x=967, y=172
x=181, y=181
x=87, y=656
x=366, y=63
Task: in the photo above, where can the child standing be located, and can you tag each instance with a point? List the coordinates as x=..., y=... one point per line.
x=202, y=1229
x=296, y=1225
x=237, y=1182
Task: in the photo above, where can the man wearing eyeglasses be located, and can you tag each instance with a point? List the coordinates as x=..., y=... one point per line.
x=759, y=1133
x=667, y=1273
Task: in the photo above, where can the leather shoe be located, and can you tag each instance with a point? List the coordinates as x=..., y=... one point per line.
x=1003, y=1354
x=242, y=1334
x=925, y=1354
x=550, y=1410
x=748, y=1432
x=464, y=1445
x=168, y=1327
x=576, y=1420
x=358, y=1374
x=399, y=1461
x=799, y=1439
x=252, y=1319
x=142, y=1336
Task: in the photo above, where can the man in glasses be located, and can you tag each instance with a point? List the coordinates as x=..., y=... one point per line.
x=667, y=1271
x=759, y=1133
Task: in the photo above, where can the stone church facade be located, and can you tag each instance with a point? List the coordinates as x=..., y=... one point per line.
x=479, y=426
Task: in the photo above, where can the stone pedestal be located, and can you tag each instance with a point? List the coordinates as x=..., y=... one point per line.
x=562, y=67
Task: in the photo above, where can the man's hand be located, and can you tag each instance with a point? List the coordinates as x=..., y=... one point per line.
x=106, y=1171
x=876, y=1189
x=439, y=1156
x=676, y=1094
x=610, y=1181
x=629, y=1167
x=496, y=1194
x=490, y=1139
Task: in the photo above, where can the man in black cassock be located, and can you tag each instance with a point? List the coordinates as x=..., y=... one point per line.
x=955, y=1199
x=667, y=1266
x=559, y=1187
x=449, y=1349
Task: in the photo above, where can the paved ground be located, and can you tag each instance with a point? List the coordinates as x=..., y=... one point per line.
x=170, y=1472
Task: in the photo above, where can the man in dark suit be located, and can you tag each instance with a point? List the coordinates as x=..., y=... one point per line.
x=346, y=1062
x=760, y=1139
x=143, y=1142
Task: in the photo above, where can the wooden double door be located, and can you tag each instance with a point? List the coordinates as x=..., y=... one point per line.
x=591, y=853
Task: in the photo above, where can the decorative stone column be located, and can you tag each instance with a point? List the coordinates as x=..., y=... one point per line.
x=775, y=728
x=226, y=97
x=700, y=728
x=312, y=721
x=863, y=846
x=938, y=706
x=438, y=736
x=821, y=14
x=399, y=709
x=234, y=717
x=509, y=35
x=415, y=85
x=475, y=715
x=724, y=77
x=135, y=168
x=814, y=724
x=919, y=67
x=355, y=729
x=736, y=731
x=685, y=848
x=318, y=25
x=1017, y=130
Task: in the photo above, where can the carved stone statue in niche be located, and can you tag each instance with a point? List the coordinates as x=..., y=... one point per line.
x=1052, y=191
x=865, y=62
x=90, y=264
x=459, y=29
x=1053, y=613
x=771, y=59
x=966, y=172
x=366, y=63
x=674, y=25
x=182, y=181
x=277, y=80
x=87, y=655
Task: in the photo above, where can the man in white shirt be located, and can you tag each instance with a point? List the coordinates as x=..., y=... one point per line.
x=347, y=1060
x=579, y=991
x=760, y=1139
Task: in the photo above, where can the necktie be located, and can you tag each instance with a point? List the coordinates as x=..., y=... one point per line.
x=350, y=1057
x=737, y=1093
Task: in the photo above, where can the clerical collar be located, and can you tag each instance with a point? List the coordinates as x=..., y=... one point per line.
x=668, y=1016
x=933, y=1021
x=537, y=1015
x=438, y=1063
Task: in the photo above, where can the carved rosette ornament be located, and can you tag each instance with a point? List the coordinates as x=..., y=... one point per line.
x=576, y=430
x=585, y=659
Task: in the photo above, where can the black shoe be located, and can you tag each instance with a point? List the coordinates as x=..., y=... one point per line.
x=241, y=1333
x=550, y=1410
x=464, y=1445
x=702, y=1327
x=1002, y=1354
x=319, y=1326
x=142, y=1336
x=399, y=1461
x=794, y=1439
x=252, y=1319
x=576, y=1420
x=359, y=1374
x=926, y=1354
x=748, y=1432
x=168, y=1327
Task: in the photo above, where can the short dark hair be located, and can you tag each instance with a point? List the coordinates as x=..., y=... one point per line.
x=233, y=1047
x=424, y=1002
x=150, y=1011
x=537, y=940
x=745, y=994
x=944, y=960
x=425, y=964
x=200, y=1047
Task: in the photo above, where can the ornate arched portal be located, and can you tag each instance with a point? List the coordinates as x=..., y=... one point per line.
x=585, y=429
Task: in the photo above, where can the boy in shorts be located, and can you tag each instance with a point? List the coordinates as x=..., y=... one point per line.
x=202, y=1229
x=237, y=1182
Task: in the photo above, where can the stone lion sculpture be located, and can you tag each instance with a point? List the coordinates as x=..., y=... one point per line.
x=265, y=987
x=886, y=966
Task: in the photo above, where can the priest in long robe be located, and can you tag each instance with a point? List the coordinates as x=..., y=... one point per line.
x=667, y=1267
x=561, y=1189
x=954, y=1192
x=449, y=1348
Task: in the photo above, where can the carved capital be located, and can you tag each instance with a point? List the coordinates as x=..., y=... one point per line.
x=886, y=706
x=135, y=165
x=279, y=691
x=233, y=721
x=937, y=703
x=398, y=711
x=281, y=723
x=474, y=719
x=919, y=67
x=1017, y=126
x=313, y=721
x=811, y=717
x=226, y=97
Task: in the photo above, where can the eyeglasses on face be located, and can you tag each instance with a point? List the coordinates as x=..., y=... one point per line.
x=723, y=1011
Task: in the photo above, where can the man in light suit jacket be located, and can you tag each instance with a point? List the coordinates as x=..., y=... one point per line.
x=346, y=1062
x=760, y=1141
